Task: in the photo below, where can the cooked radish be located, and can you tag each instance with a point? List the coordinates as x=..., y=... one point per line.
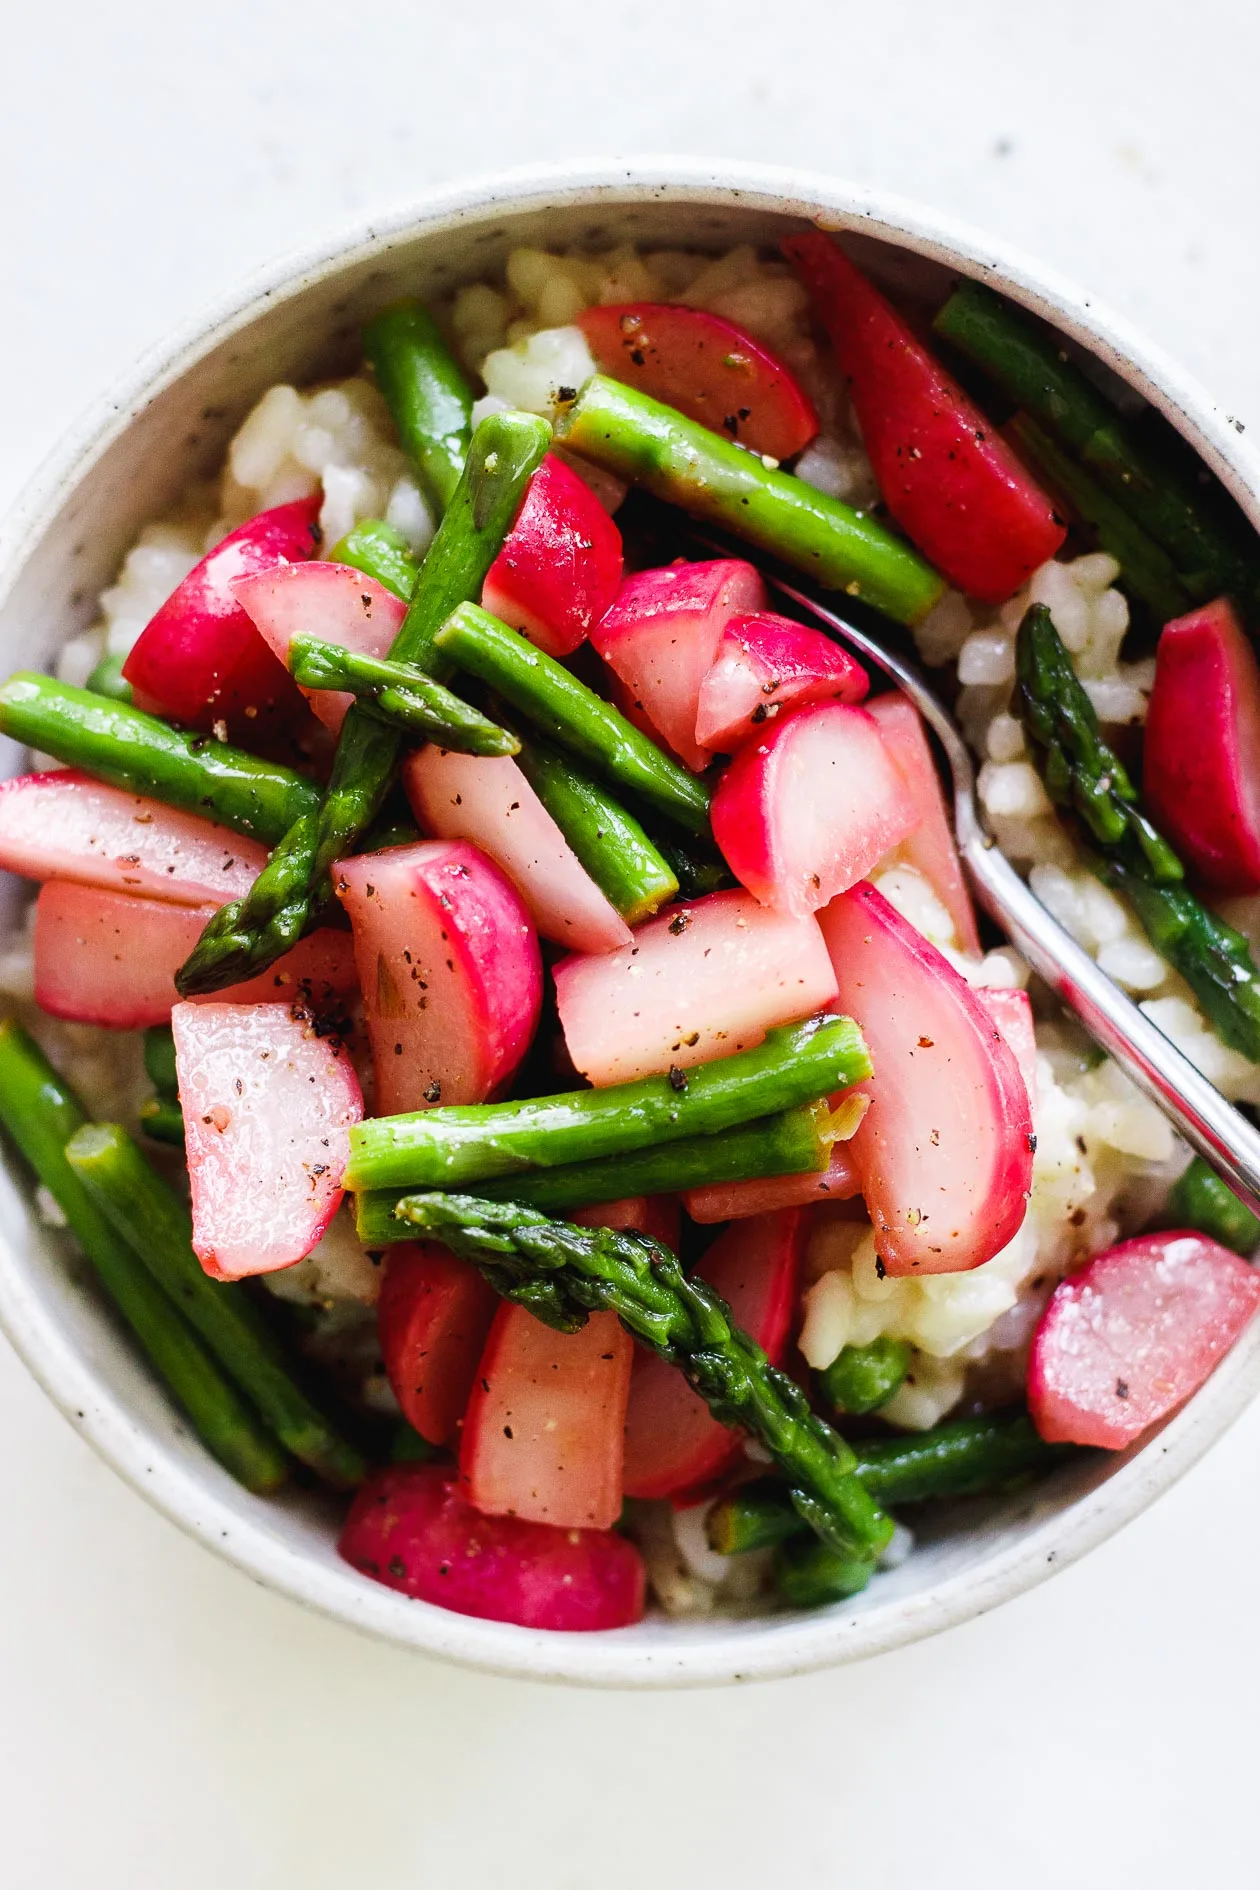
x=929, y=846
x=410, y=1528
x=654, y=1214
x=433, y=1317
x=674, y=1445
x=807, y=809
x=736, y=1200
x=1201, y=759
x=560, y=565
x=488, y=800
x=449, y=968
x=662, y=634
x=1130, y=1337
x=1011, y=1011
x=700, y=980
x=765, y=663
x=331, y=601
x=708, y=368
x=944, y=1152
x=268, y=1105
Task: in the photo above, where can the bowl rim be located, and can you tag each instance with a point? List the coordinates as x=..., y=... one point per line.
x=784, y=1645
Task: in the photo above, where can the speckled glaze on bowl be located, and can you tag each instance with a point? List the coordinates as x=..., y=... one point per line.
x=63, y=543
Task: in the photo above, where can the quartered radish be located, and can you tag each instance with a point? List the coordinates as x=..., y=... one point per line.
x=944, y=1152
x=330, y=601
x=947, y=476
x=268, y=1104
x=1130, y=1337
x=661, y=637
x=486, y=799
x=674, y=1445
x=560, y=565
x=809, y=807
x=700, y=980
x=764, y=664
x=433, y=1317
x=736, y=1200
x=449, y=969
x=654, y=1214
x=1011, y=1011
x=929, y=846
x=410, y=1528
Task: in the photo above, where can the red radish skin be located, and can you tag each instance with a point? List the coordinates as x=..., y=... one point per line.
x=1201, y=759
x=929, y=846
x=675, y=1447
x=657, y=1215
x=944, y=1153
x=544, y=1433
x=200, y=659
x=707, y=368
x=1011, y=1011
x=410, y=1529
x=449, y=968
x=486, y=799
x=765, y=664
x=662, y=633
x=948, y=478
x=330, y=601
x=700, y=980
x=433, y=1317
x=807, y=809
x=560, y=565
x=268, y=1105
x=736, y=1200
x=1131, y=1336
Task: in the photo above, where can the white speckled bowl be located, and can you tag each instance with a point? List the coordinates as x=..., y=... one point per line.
x=63, y=544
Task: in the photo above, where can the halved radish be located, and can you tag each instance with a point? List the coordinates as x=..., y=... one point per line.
x=486, y=799
x=65, y=825
x=1011, y=1011
x=929, y=846
x=331, y=601
x=662, y=634
x=268, y=1105
x=706, y=367
x=1130, y=1337
x=674, y=1445
x=944, y=1152
x=560, y=564
x=765, y=663
x=544, y=1431
x=1201, y=759
x=654, y=1214
x=433, y=1317
x=700, y=980
x=200, y=659
x=449, y=968
x=410, y=1528
x=736, y=1200
x=807, y=809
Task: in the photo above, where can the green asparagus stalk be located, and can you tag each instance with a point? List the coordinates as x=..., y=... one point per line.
x=1026, y=361
x=556, y=702
x=809, y=1574
x=562, y=1273
x=379, y=551
x=409, y=1447
x=864, y=1377
x=633, y=875
x=41, y=1113
x=159, y=1060
x=710, y=478
x=1203, y=1201
x=131, y=750
x=754, y=1516
x=425, y=390
x=107, y=679
x=162, y=1120
x=698, y=868
x=401, y=694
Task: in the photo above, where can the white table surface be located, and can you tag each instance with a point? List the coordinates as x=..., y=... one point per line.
x=162, y=1721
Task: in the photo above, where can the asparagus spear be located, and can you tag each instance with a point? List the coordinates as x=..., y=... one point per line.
x=381, y=552
x=401, y=694
x=809, y=1574
x=162, y=1120
x=572, y=715
x=681, y=461
x=159, y=1060
x=292, y=890
x=425, y=390
x=562, y=1273
x=107, y=679
x=1202, y=1200
x=864, y=1377
x=632, y=874
x=131, y=750
x=698, y=867
x=41, y=1113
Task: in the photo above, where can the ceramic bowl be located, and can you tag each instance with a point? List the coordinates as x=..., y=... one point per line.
x=63, y=544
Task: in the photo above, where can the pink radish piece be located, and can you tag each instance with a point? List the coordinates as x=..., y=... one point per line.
x=486, y=799
x=65, y=825
x=268, y=1104
x=736, y=1200
x=929, y=846
x=200, y=659
x=661, y=637
x=1201, y=760
x=433, y=1317
x=1012, y=1013
x=700, y=980
x=410, y=1528
x=449, y=968
x=654, y=1214
x=807, y=810
x=330, y=601
x=944, y=1152
x=1128, y=1338
x=764, y=664
x=560, y=564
